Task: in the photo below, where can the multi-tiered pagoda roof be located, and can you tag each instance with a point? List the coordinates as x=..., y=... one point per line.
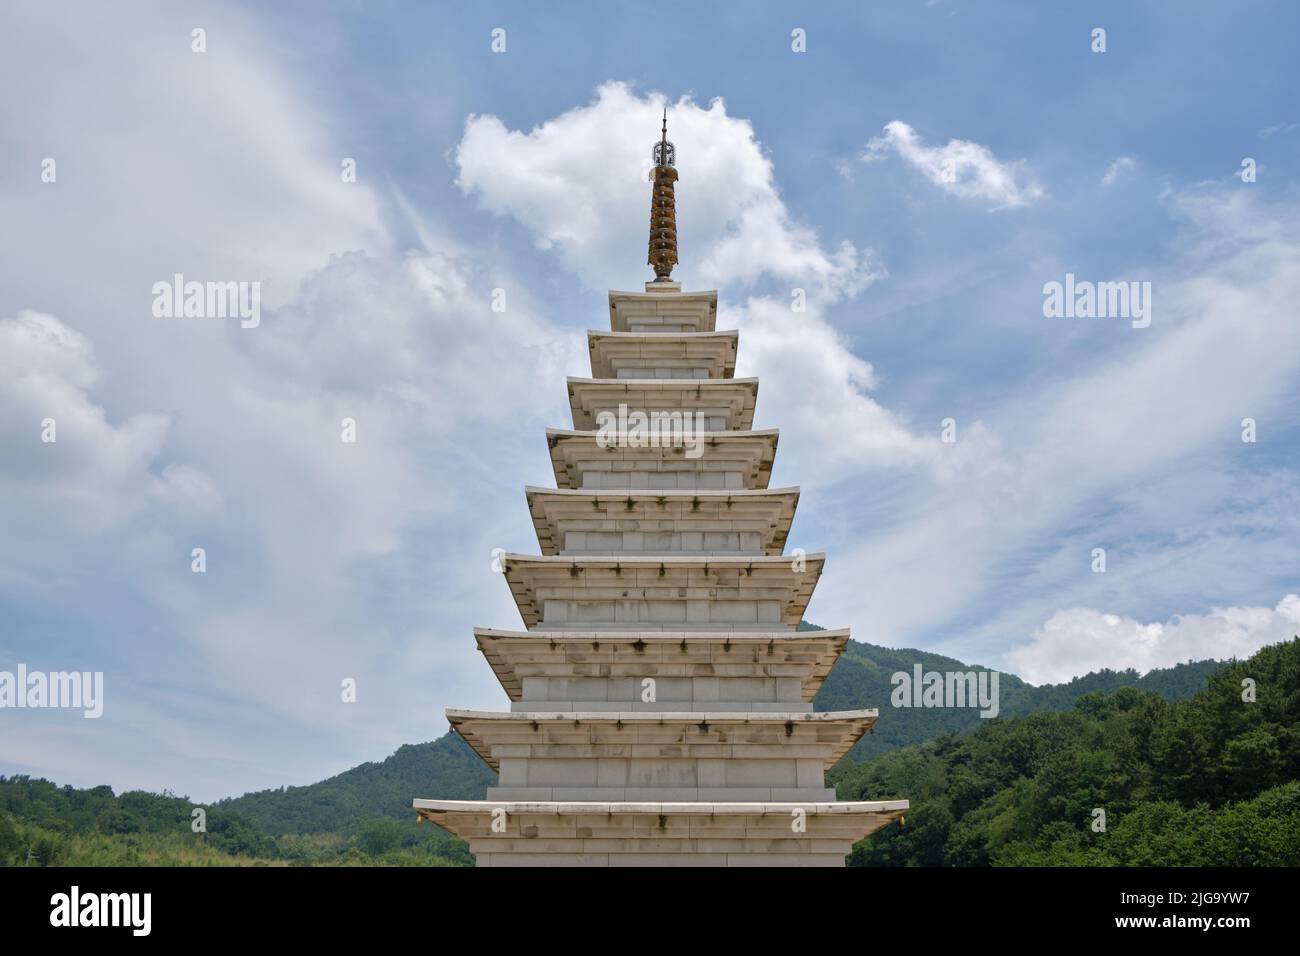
x=661, y=692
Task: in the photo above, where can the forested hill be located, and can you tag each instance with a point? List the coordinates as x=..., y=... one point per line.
x=862, y=678
x=445, y=768
x=1125, y=779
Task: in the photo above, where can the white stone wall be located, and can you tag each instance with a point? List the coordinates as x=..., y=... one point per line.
x=600, y=476
x=664, y=615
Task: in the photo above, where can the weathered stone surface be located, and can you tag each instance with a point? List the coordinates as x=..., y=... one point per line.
x=691, y=670
x=665, y=522
x=533, y=833
x=662, y=309
x=717, y=404
x=637, y=592
x=640, y=355
x=731, y=460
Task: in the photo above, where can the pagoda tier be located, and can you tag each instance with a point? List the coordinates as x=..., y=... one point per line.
x=644, y=593
x=721, y=404
x=606, y=670
x=666, y=309
x=735, y=460
x=535, y=833
x=668, y=522
x=669, y=755
x=692, y=355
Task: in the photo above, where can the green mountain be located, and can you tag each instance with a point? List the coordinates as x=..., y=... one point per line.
x=362, y=816
x=862, y=678
x=1128, y=778
x=446, y=767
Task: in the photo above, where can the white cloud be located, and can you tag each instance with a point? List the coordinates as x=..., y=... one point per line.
x=962, y=168
x=578, y=183
x=213, y=161
x=1079, y=640
x=181, y=433
x=437, y=384
x=1268, y=132
x=1121, y=165
x=94, y=474
x=1057, y=454
x=816, y=390
x=371, y=560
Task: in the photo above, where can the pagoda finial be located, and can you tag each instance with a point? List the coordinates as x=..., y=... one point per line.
x=663, y=208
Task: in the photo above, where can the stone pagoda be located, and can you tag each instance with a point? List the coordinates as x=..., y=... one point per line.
x=661, y=692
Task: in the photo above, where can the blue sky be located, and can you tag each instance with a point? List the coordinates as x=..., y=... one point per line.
x=524, y=170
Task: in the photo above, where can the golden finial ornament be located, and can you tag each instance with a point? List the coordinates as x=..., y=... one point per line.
x=663, y=208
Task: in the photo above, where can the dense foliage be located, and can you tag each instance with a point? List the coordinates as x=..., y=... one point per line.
x=362, y=816
x=445, y=768
x=1209, y=780
x=862, y=678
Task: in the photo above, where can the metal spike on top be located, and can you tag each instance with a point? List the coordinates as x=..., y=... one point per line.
x=663, y=208
x=664, y=153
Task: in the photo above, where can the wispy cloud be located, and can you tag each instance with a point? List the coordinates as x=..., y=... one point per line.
x=961, y=167
x=1268, y=132
x=1056, y=453
x=1121, y=165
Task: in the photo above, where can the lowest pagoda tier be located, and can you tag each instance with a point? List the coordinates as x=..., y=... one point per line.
x=647, y=833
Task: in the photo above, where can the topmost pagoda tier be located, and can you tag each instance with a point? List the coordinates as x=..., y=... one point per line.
x=663, y=307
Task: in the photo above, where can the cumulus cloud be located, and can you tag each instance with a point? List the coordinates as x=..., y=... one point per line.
x=578, y=184
x=962, y=168
x=818, y=392
x=1076, y=641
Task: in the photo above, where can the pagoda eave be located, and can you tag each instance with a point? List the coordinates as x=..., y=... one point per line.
x=560, y=808
x=580, y=457
x=613, y=833
x=663, y=309
x=630, y=592
x=724, y=404
x=687, y=355
x=838, y=731
x=666, y=522
x=516, y=655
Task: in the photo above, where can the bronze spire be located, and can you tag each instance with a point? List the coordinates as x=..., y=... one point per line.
x=663, y=208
